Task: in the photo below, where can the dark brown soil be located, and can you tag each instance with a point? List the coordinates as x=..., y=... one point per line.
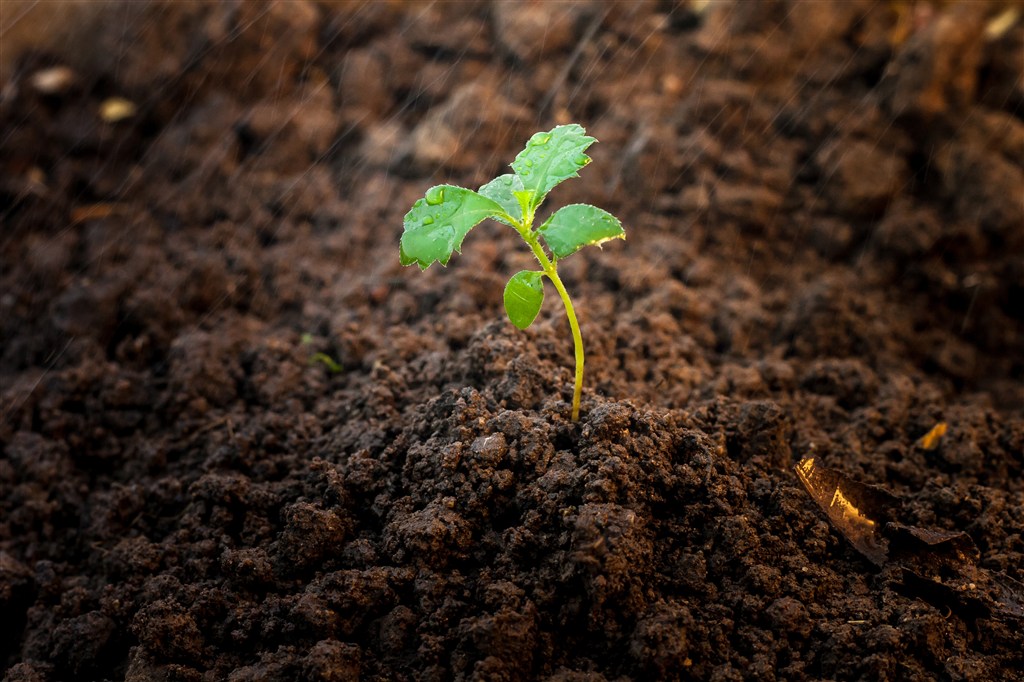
x=825, y=258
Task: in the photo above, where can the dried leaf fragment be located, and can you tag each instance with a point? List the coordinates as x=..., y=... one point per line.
x=931, y=440
x=997, y=27
x=52, y=81
x=938, y=566
x=855, y=509
x=81, y=214
x=116, y=109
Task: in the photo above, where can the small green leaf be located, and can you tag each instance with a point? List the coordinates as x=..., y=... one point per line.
x=437, y=224
x=524, y=295
x=502, y=190
x=525, y=199
x=577, y=225
x=551, y=157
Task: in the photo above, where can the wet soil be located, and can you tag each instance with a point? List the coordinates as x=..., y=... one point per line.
x=825, y=258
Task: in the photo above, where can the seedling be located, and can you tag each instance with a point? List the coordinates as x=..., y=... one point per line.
x=330, y=363
x=437, y=224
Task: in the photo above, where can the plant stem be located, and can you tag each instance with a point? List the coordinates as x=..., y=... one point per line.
x=577, y=340
x=548, y=266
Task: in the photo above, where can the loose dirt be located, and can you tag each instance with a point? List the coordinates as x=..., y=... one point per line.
x=825, y=258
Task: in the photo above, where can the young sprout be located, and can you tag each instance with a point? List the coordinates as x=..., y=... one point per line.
x=437, y=224
x=330, y=363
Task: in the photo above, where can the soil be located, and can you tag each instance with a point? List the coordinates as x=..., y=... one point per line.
x=825, y=258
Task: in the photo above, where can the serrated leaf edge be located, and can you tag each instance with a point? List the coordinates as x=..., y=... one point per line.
x=595, y=242
x=405, y=260
x=539, y=197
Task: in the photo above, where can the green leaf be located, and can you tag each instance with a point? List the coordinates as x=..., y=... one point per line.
x=577, y=225
x=550, y=158
x=525, y=199
x=502, y=190
x=524, y=295
x=436, y=224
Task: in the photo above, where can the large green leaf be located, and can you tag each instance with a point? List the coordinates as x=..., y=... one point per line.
x=436, y=224
x=577, y=225
x=550, y=158
x=502, y=189
x=524, y=295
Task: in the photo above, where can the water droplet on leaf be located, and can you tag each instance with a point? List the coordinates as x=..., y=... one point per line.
x=428, y=221
x=435, y=195
x=528, y=163
x=540, y=139
x=582, y=160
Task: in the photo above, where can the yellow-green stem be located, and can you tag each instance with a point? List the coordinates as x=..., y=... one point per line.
x=577, y=339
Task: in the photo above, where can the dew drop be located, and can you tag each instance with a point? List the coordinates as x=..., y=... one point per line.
x=540, y=139
x=435, y=195
x=428, y=221
x=582, y=160
x=528, y=163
